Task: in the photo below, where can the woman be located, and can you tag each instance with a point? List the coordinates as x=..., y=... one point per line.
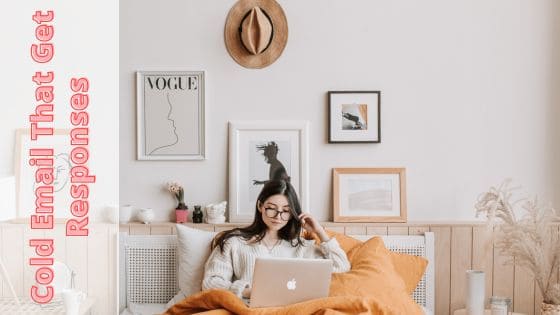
x=275, y=232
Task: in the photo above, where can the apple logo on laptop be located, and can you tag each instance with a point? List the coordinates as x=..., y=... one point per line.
x=291, y=285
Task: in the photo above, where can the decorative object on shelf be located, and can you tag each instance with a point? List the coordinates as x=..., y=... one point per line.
x=369, y=194
x=215, y=213
x=256, y=32
x=170, y=115
x=125, y=212
x=261, y=151
x=72, y=299
x=197, y=214
x=181, y=211
x=475, y=292
x=499, y=305
x=182, y=215
x=354, y=116
x=25, y=172
x=146, y=215
x=526, y=238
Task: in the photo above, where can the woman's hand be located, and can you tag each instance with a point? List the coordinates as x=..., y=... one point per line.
x=310, y=224
x=246, y=293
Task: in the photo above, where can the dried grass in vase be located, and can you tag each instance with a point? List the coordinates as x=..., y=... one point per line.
x=528, y=238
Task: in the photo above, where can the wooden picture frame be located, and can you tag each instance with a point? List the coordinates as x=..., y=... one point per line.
x=255, y=147
x=171, y=123
x=369, y=195
x=354, y=116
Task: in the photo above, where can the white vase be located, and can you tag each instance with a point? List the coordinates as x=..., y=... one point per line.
x=124, y=214
x=474, y=302
x=146, y=215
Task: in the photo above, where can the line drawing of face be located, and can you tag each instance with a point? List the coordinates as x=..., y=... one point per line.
x=174, y=137
x=61, y=172
x=62, y=166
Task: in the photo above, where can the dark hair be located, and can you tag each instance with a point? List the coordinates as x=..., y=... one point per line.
x=290, y=232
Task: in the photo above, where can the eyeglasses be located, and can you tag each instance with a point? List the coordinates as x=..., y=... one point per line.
x=273, y=213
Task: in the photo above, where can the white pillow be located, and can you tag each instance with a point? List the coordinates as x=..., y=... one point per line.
x=193, y=249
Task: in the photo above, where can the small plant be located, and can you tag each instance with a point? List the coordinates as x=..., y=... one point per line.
x=528, y=239
x=178, y=192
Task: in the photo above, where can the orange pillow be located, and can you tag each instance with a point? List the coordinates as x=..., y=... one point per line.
x=411, y=268
x=373, y=275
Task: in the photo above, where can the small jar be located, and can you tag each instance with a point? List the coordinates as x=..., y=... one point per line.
x=197, y=215
x=500, y=305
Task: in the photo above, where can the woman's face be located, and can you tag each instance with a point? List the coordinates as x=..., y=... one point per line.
x=275, y=212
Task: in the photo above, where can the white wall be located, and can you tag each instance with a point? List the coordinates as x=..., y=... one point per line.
x=468, y=94
x=85, y=45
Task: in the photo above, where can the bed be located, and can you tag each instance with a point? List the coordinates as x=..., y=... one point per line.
x=148, y=270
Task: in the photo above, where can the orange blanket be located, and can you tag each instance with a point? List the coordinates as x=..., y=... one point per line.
x=222, y=302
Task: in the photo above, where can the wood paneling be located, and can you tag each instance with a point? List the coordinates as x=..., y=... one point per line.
x=443, y=268
x=93, y=258
x=483, y=255
x=461, y=260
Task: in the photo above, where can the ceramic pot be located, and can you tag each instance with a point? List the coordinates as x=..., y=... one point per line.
x=125, y=213
x=146, y=215
x=181, y=215
x=550, y=309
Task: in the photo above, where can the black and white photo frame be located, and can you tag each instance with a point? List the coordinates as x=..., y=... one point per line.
x=354, y=116
x=259, y=150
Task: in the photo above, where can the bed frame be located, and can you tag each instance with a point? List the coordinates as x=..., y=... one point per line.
x=148, y=266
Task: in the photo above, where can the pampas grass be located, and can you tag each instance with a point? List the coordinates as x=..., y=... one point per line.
x=528, y=238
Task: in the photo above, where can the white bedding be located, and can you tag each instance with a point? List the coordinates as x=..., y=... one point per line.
x=151, y=309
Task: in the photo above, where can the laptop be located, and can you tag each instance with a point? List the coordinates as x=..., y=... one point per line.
x=283, y=281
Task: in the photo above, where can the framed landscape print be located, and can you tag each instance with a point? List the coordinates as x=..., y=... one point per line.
x=369, y=194
x=260, y=151
x=354, y=116
x=170, y=115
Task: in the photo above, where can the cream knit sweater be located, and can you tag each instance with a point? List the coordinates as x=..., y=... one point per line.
x=233, y=269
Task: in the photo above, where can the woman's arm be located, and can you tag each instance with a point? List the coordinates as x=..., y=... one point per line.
x=332, y=250
x=329, y=248
x=218, y=272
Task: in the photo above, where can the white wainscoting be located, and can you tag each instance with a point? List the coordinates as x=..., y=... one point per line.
x=94, y=258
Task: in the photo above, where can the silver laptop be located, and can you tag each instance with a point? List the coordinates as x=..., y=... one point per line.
x=283, y=281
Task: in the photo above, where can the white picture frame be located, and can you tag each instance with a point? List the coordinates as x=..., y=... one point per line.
x=249, y=142
x=171, y=122
x=369, y=195
x=25, y=173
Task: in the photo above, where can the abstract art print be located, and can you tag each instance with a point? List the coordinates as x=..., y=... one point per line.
x=170, y=115
x=369, y=194
x=354, y=116
x=260, y=151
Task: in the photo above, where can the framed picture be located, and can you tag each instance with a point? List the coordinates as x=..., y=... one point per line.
x=260, y=151
x=25, y=173
x=369, y=194
x=354, y=116
x=170, y=115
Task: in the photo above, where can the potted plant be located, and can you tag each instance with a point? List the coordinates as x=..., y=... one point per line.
x=181, y=211
x=526, y=238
